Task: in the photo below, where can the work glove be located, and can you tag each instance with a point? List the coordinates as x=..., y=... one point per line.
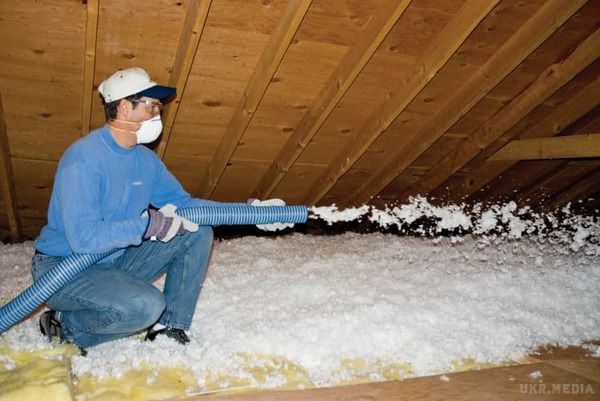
x=165, y=224
x=270, y=202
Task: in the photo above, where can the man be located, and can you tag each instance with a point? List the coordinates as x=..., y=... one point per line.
x=103, y=189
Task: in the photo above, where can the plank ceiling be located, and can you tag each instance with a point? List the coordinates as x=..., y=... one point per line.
x=316, y=102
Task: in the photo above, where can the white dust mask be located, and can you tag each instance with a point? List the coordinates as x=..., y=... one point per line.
x=149, y=130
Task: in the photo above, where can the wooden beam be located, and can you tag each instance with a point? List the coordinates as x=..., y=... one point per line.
x=549, y=81
x=89, y=65
x=380, y=24
x=191, y=32
x=561, y=147
x=563, y=116
x=259, y=82
x=533, y=33
x=7, y=182
x=426, y=67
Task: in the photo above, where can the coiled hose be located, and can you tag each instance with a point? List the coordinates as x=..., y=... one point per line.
x=53, y=280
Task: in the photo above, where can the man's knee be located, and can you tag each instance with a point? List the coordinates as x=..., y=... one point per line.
x=144, y=308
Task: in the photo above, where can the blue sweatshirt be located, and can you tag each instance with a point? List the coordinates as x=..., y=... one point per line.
x=100, y=191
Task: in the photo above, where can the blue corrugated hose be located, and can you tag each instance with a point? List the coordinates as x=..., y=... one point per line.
x=72, y=265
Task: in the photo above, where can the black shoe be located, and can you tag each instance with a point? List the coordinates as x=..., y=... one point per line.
x=51, y=328
x=176, y=334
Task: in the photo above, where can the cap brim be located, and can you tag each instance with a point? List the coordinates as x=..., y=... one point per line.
x=162, y=93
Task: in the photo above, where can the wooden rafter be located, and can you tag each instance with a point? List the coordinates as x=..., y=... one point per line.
x=561, y=147
x=193, y=26
x=515, y=177
x=342, y=78
x=432, y=60
x=263, y=73
x=549, y=81
x=7, y=181
x=581, y=188
x=535, y=31
x=551, y=184
x=515, y=180
x=563, y=116
x=89, y=64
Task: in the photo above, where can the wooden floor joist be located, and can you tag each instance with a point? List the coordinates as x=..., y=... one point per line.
x=342, y=78
x=263, y=73
x=543, y=87
x=533, y=33
x=191, y=32
x=7, y=181
x=432, y=60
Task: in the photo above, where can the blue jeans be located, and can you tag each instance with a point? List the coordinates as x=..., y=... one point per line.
x=115, y=299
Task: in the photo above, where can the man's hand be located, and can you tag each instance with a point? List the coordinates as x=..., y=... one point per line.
x=165, y=224
x=270, y=202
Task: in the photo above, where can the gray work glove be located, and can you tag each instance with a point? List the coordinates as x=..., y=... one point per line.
x=164, y=224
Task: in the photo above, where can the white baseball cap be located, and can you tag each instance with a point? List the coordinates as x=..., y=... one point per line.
x=133, y=81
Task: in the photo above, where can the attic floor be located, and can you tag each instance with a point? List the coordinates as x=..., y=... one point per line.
x=552, y=374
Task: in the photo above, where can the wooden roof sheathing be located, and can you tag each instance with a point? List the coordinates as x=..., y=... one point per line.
x=313, y=101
